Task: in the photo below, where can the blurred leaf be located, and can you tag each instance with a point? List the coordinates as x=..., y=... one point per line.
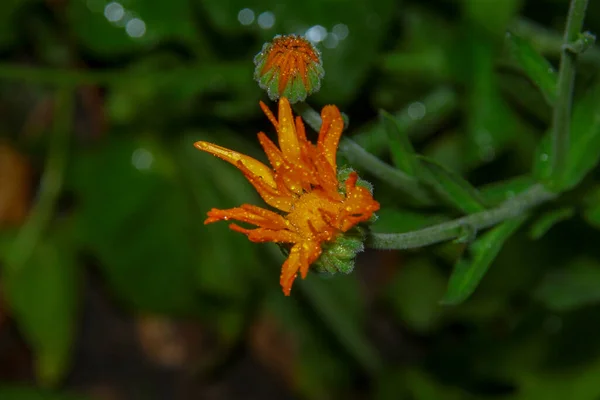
x=403, y=154
x=535, y=66
x=14, y=392
x=452, y=187
x=577, y=285
x=415, y=292
x=468, y=272
x=400, y=220
x=341, y=311
x=579, y=383
x=42, y=295
x=494, y=17
x=583, y=153
x=498, y=192
x=149, y=236
x=321, y=366
x=438, y=105
x=543, y=224
x=8, y=11
x=415, y=384
x=584, y=142
x=138, y=24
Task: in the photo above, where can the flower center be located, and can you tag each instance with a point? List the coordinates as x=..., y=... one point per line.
x=307, y=215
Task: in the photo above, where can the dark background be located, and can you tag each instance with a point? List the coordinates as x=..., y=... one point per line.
x=114, y=289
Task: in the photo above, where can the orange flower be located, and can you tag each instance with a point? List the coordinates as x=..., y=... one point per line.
x=303, y=185
x=289, y=66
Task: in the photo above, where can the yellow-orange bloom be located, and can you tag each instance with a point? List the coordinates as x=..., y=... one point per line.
x=314, y=209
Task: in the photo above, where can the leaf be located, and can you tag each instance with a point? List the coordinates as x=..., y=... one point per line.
x=414, y=293
x=576, y=285
x=535, y=66
x=8, y=28
x=141, y=215
x=583, y=153
x=338, y=315
x=403, y=154
x=438, y=105
x=452, y=187
x=14, y=392
x=498, y=192
x=543, y=224
x=42, y=295
x=468, y=272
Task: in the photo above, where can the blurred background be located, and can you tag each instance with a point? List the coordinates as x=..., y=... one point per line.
x=113, y=289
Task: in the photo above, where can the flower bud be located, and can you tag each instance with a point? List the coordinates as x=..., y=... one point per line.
x=289, y=66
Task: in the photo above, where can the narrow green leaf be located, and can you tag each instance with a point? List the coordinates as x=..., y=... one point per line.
x=543, y=224
x=452, y=187
x=575, y=286
x=362, y=160
x=401, y=149
x=501, y=191
x=583, y=153
x=468, y=272
x=534, y=65
x=42, y=295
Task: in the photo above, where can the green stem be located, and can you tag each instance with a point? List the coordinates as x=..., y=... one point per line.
x=549, y=42
x=566, y=79
x=50, y=185
x=512, y=208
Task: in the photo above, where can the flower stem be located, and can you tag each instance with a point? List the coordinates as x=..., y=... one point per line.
x=511, y=208
x=566, y=79
x=50, y=185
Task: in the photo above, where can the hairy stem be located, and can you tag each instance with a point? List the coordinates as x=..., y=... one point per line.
x=561, y=118
x=512, y=208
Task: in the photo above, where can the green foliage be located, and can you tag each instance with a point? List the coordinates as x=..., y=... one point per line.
x=468, y=272
x=468, y=125
x=535, y=67
x=452, y=187
x=548, y=220
x=43, y=294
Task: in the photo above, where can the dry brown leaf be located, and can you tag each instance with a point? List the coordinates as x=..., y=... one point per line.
x=15, y=186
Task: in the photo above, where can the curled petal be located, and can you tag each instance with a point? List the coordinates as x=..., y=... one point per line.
x=233, y=157
x=330, y=133
x=301, y=256
x=260, y=235
x=271, y=196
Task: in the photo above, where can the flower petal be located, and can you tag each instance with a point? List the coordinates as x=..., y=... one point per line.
x=288, y=139
x=301, y=256
x=260, y=235
x=233, y=157
x=248, y=213
x=330, y=133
